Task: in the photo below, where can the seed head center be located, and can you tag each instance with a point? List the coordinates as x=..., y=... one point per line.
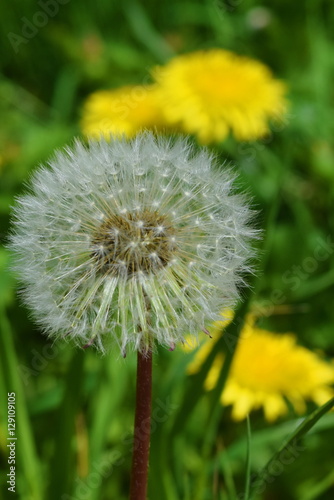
x=141, y=241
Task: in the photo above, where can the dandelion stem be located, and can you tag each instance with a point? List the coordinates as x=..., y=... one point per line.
x=141, y=444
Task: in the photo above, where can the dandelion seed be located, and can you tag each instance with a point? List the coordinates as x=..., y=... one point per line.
x=144, y=265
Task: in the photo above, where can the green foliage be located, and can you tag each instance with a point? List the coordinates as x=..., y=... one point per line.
x=74, y=409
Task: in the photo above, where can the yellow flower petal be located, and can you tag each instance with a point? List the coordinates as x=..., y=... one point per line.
x=243, y=405
x=274, y=406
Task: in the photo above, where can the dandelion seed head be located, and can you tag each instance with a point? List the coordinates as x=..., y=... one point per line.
x=134, y=240
x=111, y=251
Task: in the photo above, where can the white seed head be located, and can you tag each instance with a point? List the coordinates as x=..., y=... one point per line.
x=131, y=243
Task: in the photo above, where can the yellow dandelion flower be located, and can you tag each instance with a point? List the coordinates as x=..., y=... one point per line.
x=210, y=93
x=122, y=111
x=267, y=370
x=191, y=342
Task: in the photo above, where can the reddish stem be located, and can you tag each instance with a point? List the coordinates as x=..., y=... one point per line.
x=141, y=444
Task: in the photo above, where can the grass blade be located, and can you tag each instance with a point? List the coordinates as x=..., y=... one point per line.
x=62, y=465
x=248, y=459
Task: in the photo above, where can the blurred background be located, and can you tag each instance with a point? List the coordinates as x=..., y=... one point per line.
x=74, y=408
